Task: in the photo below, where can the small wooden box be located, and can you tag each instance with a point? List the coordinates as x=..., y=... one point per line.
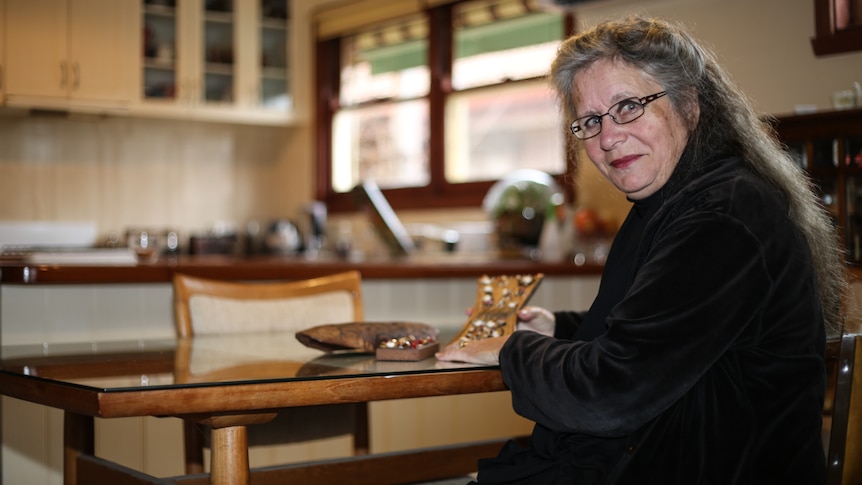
x=421, y=352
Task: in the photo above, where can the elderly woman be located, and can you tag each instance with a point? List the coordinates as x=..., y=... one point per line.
x=701, y=359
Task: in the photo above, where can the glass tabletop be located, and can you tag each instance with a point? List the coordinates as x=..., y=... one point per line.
x=116, y=366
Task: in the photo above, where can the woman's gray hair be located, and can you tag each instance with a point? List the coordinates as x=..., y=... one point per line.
x=691, y=74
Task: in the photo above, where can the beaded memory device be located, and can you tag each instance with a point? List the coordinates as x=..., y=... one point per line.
x=498, y=299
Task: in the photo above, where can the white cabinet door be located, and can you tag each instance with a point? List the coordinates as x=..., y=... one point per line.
x=69, y=50
x=101, y=50
x=36, y=61
x=273, y=61
x=262, y=60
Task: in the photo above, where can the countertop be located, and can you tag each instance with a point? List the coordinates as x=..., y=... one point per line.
x=282, y=267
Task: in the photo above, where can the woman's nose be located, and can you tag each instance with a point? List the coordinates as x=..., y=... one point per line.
x=611, y=135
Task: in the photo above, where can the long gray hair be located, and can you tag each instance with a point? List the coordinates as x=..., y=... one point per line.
x=690, y=74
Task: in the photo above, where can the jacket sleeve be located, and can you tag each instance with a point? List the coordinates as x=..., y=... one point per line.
x=567, y=324
x=703, y=280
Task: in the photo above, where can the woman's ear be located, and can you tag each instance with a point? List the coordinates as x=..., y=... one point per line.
x=691, y=109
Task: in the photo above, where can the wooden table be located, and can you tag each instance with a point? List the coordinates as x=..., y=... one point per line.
x=227, y=382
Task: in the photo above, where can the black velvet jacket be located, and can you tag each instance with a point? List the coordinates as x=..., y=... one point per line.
x=701, y=360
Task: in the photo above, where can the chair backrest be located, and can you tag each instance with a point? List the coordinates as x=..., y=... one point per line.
x=205, y=306
x=844, y=410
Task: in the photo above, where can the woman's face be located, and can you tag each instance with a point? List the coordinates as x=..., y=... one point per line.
x=637, y=157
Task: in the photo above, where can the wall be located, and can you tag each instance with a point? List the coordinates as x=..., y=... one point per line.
x=128, y=172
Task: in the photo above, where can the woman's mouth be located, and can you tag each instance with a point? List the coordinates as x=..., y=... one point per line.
x=624, y=162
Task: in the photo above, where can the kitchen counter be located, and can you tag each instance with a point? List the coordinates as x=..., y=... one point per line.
x=281, y=267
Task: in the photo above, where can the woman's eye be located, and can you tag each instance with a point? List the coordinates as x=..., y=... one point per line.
x=627, y=106
x=592, y=121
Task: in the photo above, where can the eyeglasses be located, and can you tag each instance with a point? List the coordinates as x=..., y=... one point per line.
x=623, y=112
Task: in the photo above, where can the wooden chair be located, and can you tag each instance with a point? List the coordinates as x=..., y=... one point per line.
x=204, y=306
x=843, y=411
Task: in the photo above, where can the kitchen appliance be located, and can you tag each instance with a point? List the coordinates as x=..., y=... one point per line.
x=284, y=237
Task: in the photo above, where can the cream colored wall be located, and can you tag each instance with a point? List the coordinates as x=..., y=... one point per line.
x=125, y=172
x=764, y=44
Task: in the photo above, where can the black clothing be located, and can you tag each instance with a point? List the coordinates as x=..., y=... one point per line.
x=701, y=360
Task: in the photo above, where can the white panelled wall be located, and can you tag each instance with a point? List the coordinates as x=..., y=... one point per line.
x=33, y=437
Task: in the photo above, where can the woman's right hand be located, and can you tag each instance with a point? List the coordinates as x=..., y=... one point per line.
x=536, y=319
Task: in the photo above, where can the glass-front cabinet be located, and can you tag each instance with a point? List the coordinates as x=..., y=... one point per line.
x=159, y=66
x=216, y=59
x=828, y=146
x=274, y=82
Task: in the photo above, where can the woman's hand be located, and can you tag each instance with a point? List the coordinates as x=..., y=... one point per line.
x=536, y=319
x=484, y=351
x=487, y=351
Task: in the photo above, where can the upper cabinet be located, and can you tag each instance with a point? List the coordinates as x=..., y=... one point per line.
x=215, y=60
x=62, y=53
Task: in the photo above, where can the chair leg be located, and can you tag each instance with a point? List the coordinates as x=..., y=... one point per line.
x=193, y=447
x=360, y=434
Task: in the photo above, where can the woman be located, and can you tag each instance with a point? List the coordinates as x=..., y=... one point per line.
x=701, y=359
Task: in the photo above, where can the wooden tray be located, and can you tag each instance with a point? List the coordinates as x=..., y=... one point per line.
x=498, y=300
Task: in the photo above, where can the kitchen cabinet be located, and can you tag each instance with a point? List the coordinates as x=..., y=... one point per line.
x=223, y=60
x=68, y=52
x=828, y=146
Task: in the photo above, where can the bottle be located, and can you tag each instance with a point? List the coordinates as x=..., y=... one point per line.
x=550, y=243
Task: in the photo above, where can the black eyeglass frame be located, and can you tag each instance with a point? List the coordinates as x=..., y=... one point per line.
x=576, y=127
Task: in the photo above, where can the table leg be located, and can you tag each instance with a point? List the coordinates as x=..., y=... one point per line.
x=230, y=456
x=229, y=464
x=78, y=439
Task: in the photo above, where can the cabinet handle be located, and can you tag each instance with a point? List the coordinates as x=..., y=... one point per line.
x=76, y=75
x=62, y=74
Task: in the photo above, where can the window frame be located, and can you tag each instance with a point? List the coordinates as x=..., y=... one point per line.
x=827, y=38
x=439, y=193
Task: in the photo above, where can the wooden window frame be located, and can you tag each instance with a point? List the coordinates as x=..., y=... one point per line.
x=828, y=39
x=438, y=194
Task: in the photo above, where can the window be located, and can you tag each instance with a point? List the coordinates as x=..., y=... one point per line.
x=436, y=104
x=501, y=114
x=380, y=131
x=838, y=26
